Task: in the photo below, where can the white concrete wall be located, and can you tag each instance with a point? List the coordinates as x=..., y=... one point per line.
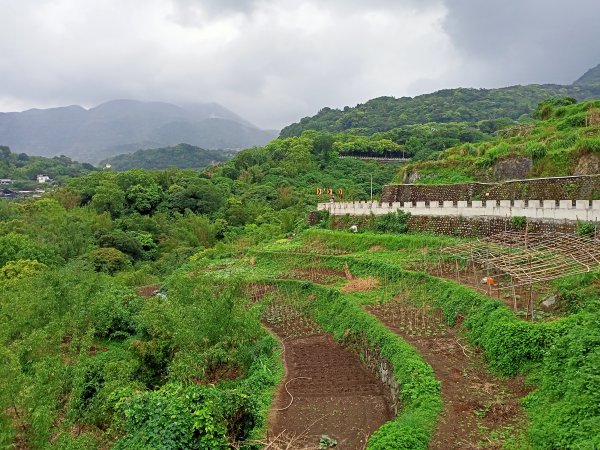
x=583, y=210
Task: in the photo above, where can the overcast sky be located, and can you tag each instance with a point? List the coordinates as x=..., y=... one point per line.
x=275, y=61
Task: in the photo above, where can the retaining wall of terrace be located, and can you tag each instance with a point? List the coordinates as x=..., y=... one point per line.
x=570, y=210
x=557, y=188
x=484, y=226
x=460, y=226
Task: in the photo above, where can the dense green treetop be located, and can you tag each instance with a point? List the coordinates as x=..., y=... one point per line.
x=418, y=141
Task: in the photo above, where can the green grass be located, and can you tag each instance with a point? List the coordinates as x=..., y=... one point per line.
x=555, y=145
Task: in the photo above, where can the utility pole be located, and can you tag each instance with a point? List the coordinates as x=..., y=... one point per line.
x=371, y=188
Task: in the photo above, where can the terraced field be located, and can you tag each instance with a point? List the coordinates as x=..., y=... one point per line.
x=380, y=354
x=327, y=392
x=476, y=403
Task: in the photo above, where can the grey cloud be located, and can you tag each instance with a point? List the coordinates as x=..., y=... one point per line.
x=197, y=13
x=274, y=61
x=520, y=41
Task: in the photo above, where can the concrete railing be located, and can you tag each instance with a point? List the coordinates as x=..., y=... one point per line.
x=584, y=210
x=378, y=158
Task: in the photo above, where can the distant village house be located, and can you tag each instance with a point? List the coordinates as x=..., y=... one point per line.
x=7, y=193
x=5, y=181
x=43, y=178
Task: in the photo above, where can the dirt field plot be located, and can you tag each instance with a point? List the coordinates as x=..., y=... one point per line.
x=475, y=402
x=326, y=393
x=318, y=275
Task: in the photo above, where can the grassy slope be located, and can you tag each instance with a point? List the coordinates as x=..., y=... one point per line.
x=554, y=144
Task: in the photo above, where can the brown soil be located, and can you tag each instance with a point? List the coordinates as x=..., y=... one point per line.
x=95, y=349
x=328, y=393
x=213, y=268
x=287, y=322
x=148, y=291
x=326, y=390
x=376, y=248
x=475, y=402
x=256, y=292
x=361, y=285
x=318, y=275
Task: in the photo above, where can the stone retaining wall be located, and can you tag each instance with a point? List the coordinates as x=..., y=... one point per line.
x=558, y=188
x=461, y=226
x=458, y=226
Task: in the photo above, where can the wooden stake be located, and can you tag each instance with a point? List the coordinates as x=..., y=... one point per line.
x=530, y=302
x=457, y=271
x=512, y=282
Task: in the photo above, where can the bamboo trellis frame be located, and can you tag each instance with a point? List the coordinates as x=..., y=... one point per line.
x=530, y=258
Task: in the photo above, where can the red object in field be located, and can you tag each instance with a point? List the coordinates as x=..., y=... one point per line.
x=488, y=280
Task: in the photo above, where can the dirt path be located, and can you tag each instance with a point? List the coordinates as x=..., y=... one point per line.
x=326, y=390
x=480, y=410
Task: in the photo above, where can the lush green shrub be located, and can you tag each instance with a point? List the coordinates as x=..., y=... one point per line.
x=518, y=222
x=184, y=417
x=108, y=260
x=322, y=218
x=549, y=107
x=492, y=155
x=572, y=121
x=392, y=222
x=586, y=229
x=565, y=409
x=113, y=312
x=535, y=150
x=95, y=378
x=589, y=144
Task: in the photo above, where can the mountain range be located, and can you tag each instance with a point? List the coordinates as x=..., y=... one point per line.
x=124, y=126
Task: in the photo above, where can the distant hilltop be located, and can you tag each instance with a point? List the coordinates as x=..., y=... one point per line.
x=447, y=105
x=124, y=126
x=182, y=156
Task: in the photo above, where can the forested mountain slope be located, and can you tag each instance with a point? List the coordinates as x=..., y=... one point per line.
x=447, y=105
x=181, y=156
x=590, y=78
